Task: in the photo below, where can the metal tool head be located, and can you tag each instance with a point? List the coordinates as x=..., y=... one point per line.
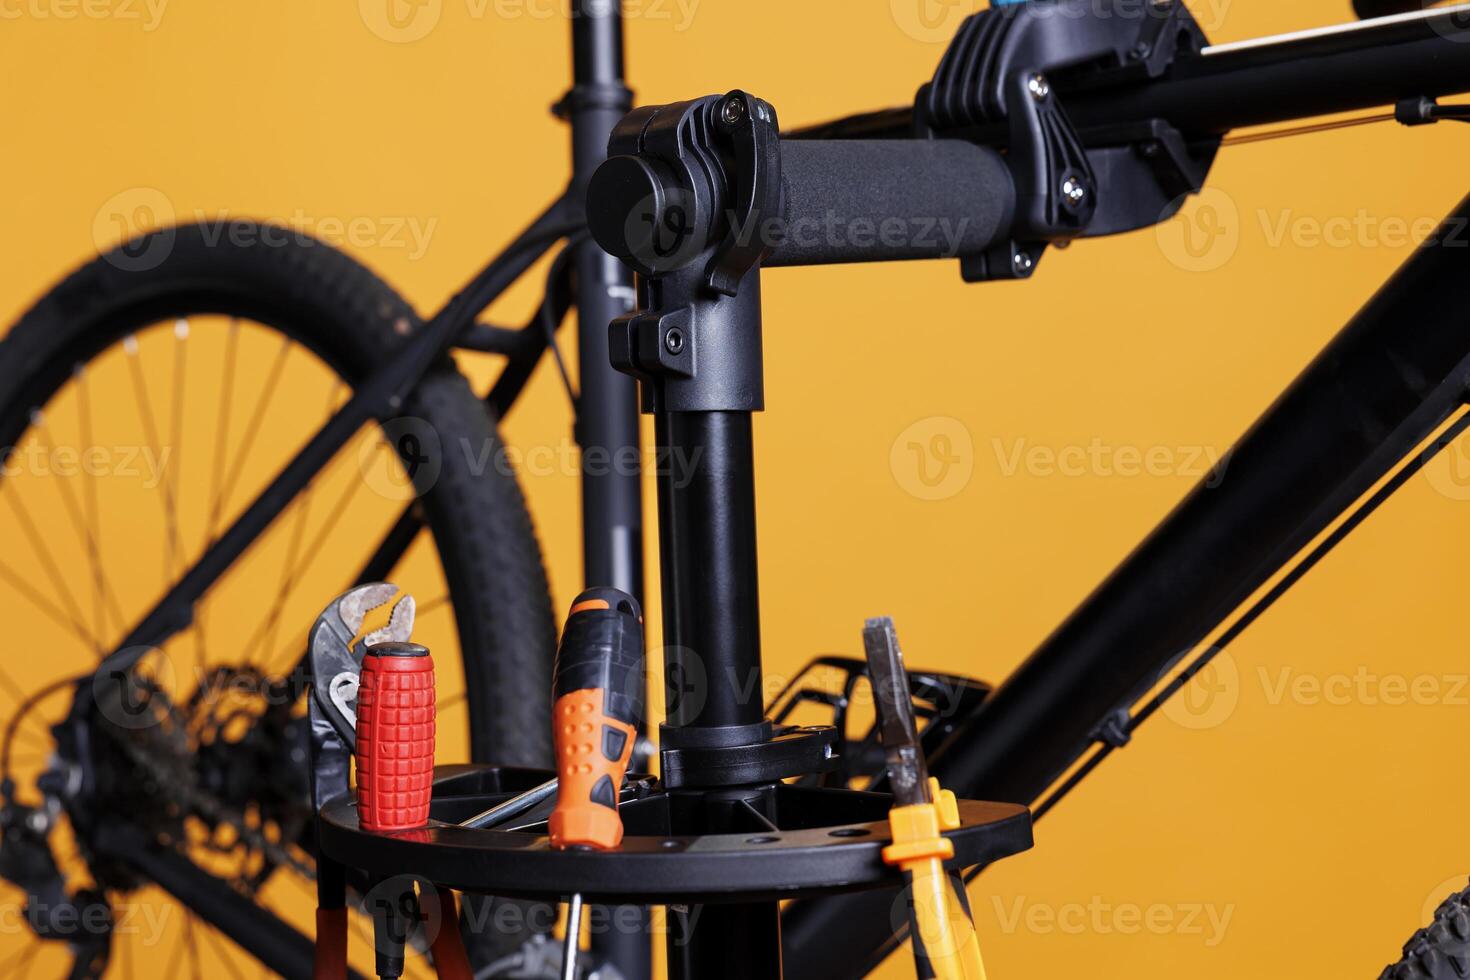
x=908, y=776
x=336, y=662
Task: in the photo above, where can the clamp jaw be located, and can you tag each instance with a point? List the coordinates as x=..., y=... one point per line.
x=690, y=197
x=997, y=84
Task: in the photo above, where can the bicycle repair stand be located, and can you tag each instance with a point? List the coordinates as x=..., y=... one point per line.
x=720, y=838
x=695, y=197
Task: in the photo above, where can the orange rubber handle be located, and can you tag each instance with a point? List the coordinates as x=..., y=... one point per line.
x=597, y=688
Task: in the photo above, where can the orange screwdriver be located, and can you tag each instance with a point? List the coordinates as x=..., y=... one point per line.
x=597, y=695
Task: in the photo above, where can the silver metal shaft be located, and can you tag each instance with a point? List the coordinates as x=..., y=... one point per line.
x=574, y=937
x=511, y=808
x=1352, y=27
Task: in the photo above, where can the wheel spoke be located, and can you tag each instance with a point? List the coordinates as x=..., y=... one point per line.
x=72, y=615
x=293, y=549
x=192, y=942
x=222, y=952
x=150, y=432
x=102, y=594
x=312, y=552
x=176, y=421
x=217, y=473
x=19, y=965
x=252, y=429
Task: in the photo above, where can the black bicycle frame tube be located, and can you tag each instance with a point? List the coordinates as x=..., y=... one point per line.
x=607, y=402
x=1383, y=385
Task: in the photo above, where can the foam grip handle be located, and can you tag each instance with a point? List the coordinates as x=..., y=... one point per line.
x=597, y=692
x=395, y=737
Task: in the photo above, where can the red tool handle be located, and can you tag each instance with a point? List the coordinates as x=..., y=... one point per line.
x=597, y=692
x=395, y=737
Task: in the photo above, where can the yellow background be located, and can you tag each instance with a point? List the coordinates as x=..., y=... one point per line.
x=1320, y=833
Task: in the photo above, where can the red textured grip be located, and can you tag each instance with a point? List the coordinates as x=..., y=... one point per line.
x=395, y=739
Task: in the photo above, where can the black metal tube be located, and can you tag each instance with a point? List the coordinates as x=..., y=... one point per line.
x=1359, y=67
x=1356, y=66
x=607, y=418
x=607, y=401
x=1379, y=388
x=707, y=550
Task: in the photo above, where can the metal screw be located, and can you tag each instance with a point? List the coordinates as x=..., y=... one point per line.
x=1023, y=263
x=733, y=111
x=1074, y=191
x=1039, y=87
x=674, y=340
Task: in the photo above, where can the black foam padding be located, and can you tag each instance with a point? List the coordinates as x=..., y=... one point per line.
x=881, y=200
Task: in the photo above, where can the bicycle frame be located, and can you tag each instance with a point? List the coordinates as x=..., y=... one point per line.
x=1393, y=380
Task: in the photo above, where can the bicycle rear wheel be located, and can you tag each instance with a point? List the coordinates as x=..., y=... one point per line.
x=143, y=403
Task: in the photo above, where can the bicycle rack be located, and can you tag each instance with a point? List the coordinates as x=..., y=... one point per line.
x=816, y=841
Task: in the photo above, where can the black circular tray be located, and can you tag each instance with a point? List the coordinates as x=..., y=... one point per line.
x=828, y=840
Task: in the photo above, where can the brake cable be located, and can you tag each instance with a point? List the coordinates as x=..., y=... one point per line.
x=1120, y=732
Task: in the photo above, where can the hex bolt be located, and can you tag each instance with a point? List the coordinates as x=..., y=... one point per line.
x=1075, y=191
x=1038, y=86
x=1022, y=262
x=674, y=340
x=733, y=111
